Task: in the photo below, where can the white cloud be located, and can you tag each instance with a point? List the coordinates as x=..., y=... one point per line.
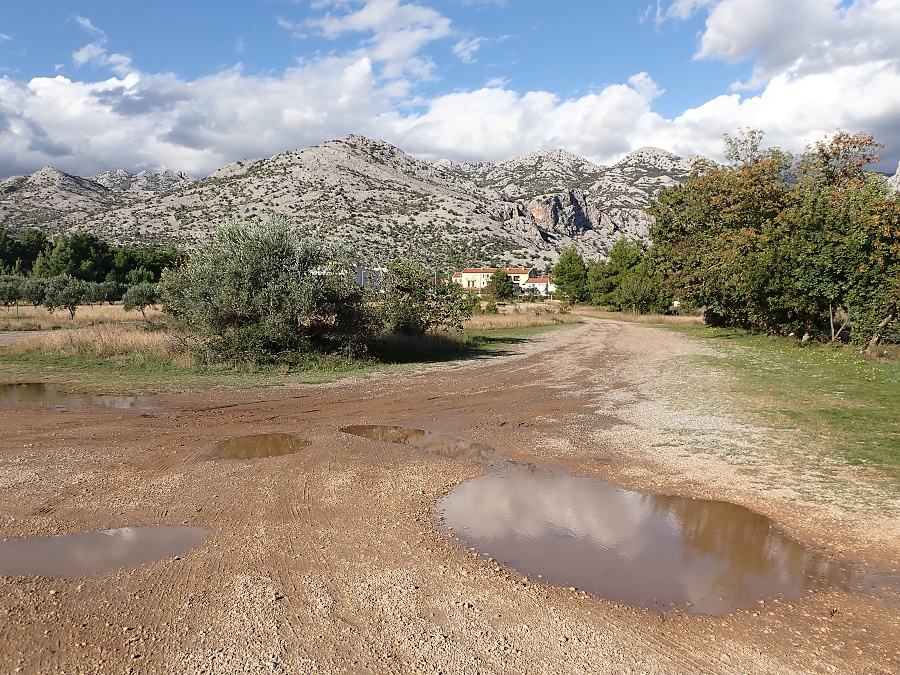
x=96, y=54
x=801, y=36
x=397, y=33
x=465, y=49
x=90, y=27
x=847, y=76
x=5, y=38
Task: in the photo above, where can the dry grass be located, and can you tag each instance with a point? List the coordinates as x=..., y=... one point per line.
x=522, y=319
x=104, y=340
x=38, y=318
x=674, y=320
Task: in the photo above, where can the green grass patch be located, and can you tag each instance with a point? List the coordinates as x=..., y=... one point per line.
x=842, y=403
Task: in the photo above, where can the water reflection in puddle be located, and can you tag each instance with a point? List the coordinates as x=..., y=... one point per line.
x=636, y=548
x=641, y=549
x=41, y=395
x=429, y=441
x=91, y=553
x=260, y=445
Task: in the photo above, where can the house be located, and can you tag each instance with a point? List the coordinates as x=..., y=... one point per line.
x=542, y=285
x=476, y=278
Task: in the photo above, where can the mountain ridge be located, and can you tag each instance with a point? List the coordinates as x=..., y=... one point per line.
x=372, y=196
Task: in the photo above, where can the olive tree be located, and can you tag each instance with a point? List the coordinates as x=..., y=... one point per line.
x=260, y=292
x=413, y=304
x=139, y=297
x=64, y=292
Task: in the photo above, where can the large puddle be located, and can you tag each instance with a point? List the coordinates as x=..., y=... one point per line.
x=51, y=396
x=92, y=553
x=260, y=445
x=636, y=548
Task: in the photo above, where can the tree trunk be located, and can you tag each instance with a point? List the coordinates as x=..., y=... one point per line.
x=877, y=335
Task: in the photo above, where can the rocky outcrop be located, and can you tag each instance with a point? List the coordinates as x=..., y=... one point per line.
x=52, y=200
x=143, y=184
x=894, y=181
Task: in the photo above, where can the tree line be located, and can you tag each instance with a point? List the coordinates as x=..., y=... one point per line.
x=78, y=268
x=806, y=246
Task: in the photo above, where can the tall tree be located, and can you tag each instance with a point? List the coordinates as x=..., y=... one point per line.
x=571, y=275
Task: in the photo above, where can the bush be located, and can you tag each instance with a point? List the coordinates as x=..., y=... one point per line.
x=33, y=291
x=260, y=292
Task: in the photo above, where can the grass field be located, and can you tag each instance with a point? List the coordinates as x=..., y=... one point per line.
x=840, y=402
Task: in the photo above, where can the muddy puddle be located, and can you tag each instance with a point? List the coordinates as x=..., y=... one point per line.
x=430, y=442
x=260, y=445
x=635, y=548
x=93, y=553
x=53, y=397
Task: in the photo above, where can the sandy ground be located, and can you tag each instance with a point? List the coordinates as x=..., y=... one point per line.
x=328, y=560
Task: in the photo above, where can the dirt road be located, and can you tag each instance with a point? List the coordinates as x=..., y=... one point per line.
x=328, y=561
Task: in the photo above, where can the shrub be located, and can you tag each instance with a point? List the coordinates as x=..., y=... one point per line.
x=260, y=292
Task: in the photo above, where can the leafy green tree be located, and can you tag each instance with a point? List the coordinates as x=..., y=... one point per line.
x=94, y=293
x=139, y=297
x=64, y=292
x=7, y=250
x=80, y=255
x=571, y=276
x=30, y=243
x=10, y=289
x=260, y=292
x=604, y=278
x=765, y=245
x=501, y=286
x=33, y=290
x=414, y=304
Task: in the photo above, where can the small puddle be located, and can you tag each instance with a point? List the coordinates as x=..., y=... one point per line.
x=430, y=442
x=92, y=553
x=260, y=445
x=51, y=396
x=636, y=548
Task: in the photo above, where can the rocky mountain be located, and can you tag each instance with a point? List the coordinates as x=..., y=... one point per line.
x=52, y=200
x=141, y=185
x=373, y=197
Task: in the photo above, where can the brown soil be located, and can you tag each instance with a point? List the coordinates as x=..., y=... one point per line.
x=327, y=560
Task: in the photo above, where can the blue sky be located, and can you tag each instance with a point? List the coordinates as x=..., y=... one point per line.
x=90, y=85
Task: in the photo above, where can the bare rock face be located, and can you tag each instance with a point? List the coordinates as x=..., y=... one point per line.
x=894, y=181
x=142, y=185
x=567, y=213
x=372, y=197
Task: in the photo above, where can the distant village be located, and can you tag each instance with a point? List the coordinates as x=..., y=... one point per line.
x=477, y=279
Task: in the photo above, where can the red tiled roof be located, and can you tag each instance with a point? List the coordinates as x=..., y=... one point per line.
x=479, y=270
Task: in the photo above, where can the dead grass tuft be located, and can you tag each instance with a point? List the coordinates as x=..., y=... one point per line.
x=670, y=319
x=28, y=317
x=105, y=340
x=523, y=319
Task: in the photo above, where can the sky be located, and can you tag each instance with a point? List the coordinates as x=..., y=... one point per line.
x=192, y=85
